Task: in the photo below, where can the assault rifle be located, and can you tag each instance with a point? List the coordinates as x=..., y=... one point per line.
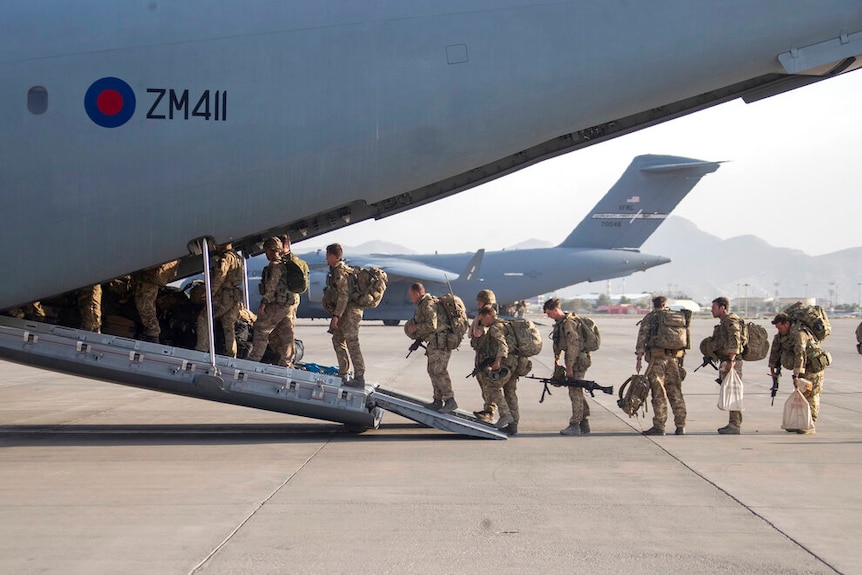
x=590, y=386
x=774, y=389
x=487, y=362
x=417, y=343
x=712, y=363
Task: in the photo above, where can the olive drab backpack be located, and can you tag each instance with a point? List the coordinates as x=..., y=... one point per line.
x=295, y=274
x=812, y=317
x=452, y=308
x=367, y=286
x=633, y=395
x=755, y=341
x=523, y=338
x=588, y=331
x=672, y=330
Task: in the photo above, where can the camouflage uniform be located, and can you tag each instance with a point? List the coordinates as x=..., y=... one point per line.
x=345, y=336
x=90, y=306
x=567, y=342
x=147, y=286
x=663, y=374
x=502, y=391
x=727, y=340
x=433, y=332
x=32, y=311
x=789, y=351
x=274, y=307
x=226, y=273
x=484, y=297
x=283, y=338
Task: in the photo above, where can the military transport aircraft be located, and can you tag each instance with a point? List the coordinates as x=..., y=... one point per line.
x=604, y=245
x=134, y=133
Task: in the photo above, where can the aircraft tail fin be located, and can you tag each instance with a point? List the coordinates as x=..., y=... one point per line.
x=471, y=270
x=639, y=202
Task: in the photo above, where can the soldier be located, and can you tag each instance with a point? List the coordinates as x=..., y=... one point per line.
x=90, y=307
x=664, y=372
x=428, y=327
x=283, y=339
x=477, y=332
x=147, y=285
x=859, y=338
x=346, y=317
x=727, y=345
x=502, y=372
x=226, y=273
x=273, y=301
x=521, y=310
x=567, y=343
x=790, y=349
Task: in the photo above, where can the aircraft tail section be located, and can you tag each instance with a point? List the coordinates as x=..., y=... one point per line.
x=639, y=202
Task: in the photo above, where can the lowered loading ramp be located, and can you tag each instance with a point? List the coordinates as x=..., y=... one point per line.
x=236, y=381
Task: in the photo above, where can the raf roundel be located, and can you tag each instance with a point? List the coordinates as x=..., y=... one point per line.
x=110, y=102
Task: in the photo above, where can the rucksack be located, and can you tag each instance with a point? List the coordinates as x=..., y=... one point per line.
x=812, y=317
x=672, y=330
x=522, y=337
x=633, y=394
x=295, y=274
x=588, y=331
x=452, y=309
x=755, y=341
x=367, y=286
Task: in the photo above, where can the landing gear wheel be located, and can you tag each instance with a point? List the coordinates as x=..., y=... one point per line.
x=391, y=322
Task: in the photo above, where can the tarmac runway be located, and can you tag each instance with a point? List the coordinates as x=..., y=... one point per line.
x=100, y=478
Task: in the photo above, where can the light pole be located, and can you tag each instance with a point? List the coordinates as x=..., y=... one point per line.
x=777, y=299
x=746, y=299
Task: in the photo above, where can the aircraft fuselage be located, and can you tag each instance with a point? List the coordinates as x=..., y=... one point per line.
x=131, y=129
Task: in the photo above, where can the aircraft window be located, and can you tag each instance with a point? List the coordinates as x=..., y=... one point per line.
x=457, y=54
x=37, y=100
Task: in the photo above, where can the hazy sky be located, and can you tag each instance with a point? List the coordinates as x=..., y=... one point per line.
x=788, y=157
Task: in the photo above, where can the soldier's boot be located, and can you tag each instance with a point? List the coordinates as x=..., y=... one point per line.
x=571, y=430
x=728, y=430
x=805, y=431
x=449, y=406
x=358, y=381
x=584, y=425
x=504, y=421
x=679, y=431
x=435, y=405
x=654, y=431
x=511, y=429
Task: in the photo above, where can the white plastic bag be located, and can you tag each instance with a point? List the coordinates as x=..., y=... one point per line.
x=730, y=395
x=797, y=412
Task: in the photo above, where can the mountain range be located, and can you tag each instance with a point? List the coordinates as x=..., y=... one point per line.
x=705, y=266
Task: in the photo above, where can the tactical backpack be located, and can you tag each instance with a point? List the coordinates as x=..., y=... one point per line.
x=522, y=337
x=588, y=331
x=812, y=317
x=633, y=394
x=452, y=309
x=755, y=341
x=672, y=330
x=367, y=286
x=295, y=274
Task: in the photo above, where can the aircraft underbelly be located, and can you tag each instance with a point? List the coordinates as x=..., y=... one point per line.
x=233, y=381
